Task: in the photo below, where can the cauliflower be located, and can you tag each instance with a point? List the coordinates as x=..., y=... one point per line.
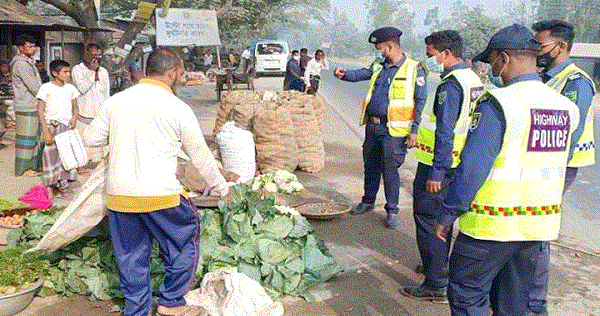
x=256, y=185
x=287, y=210
x=283, y=176
x=271, y=187
x=297, y=186
x=286, y=188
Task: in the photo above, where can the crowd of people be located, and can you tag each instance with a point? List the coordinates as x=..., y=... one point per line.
x=42, y=109
x=497, y=159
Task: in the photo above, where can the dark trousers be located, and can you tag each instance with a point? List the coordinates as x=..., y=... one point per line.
x=177, y=232
x=314, y=84
x=539, y=289
x=426, y=209
x=383, y=154
x=484, y=273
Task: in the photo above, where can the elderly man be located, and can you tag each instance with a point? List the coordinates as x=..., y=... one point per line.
x=92, y=82
x=26, y=82
x=145, y=127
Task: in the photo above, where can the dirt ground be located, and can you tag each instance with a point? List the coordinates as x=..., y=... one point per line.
x=377, y=261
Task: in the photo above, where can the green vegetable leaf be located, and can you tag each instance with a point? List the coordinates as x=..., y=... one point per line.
x=276, y=227
x=272, y=252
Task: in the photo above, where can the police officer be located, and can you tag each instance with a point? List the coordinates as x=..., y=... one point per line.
x=440, y=139
x=391, y=112
x=559, y=72
x=518, y=142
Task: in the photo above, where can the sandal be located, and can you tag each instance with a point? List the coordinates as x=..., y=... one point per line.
x=31, y=173
x=185, y=310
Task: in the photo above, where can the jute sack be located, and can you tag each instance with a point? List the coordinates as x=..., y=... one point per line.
x=230, y=101
x=308, y=135
x=222, y=115
x=243, y=113
x=316, y=102
x=274, y=138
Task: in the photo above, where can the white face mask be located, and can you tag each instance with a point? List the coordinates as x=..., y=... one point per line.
x=296, y=57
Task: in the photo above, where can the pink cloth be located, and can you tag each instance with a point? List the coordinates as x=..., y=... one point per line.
x=37, y=197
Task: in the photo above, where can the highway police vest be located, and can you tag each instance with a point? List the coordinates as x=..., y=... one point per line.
x=401, y=109
x=521, y=198
x=583, y=153
x=472, y=88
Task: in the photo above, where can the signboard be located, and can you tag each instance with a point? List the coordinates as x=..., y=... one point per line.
x=184, y=27
x=144, y=12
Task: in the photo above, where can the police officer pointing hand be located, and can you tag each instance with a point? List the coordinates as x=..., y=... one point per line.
x=391, y=112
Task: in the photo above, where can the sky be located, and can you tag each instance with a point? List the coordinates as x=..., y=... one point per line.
x=356, y=12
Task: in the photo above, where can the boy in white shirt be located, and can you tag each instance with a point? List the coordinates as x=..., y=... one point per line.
x=57, y=113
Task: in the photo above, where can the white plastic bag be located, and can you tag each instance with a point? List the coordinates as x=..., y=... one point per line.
x=237, y=150
x=84, y=212
x=71, y=150
x=230, y=293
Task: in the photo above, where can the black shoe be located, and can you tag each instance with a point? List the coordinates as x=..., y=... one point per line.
x=362, y=208
x=530, y=313
x=425, y=293
x=419, y=269
x=391, y=221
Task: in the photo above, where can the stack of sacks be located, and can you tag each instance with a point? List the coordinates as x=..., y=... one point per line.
x=307, y=118
x=289, y=133
x=274, y=137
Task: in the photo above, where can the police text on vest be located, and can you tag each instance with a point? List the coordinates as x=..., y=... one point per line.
x=549, y=130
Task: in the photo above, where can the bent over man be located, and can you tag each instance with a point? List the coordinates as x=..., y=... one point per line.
x=391, y=112
x=145, y=126
x=519, y=142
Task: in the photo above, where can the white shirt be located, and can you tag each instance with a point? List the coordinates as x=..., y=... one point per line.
x=93, y=92
x=145, y=127
x=314, y=67
x=59, y=101
x=246, y=54
x=208, y=59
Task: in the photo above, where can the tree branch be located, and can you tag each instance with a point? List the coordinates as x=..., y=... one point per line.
x=222, y=12
x=68, y=9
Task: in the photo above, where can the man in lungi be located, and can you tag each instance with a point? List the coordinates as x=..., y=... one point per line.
x=26, y=82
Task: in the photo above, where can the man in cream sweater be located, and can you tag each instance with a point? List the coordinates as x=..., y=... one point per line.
x=145, y=126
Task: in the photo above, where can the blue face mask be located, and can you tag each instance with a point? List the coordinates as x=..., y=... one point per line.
x=433, y=65
x=496, y=80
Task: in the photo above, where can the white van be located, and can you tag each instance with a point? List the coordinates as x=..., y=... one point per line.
x=271, y=57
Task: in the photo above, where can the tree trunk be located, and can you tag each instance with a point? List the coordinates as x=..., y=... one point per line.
x=83, y=12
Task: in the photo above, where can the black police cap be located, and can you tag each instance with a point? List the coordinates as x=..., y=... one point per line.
x=514, y=37
x=384, y=34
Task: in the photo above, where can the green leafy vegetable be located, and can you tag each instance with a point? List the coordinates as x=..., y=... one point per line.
x=18, y=271
x=276, y=248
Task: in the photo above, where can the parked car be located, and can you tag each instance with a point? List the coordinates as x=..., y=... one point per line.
x=271, y=57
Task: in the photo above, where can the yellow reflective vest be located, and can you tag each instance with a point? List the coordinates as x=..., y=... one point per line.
x=583, y=153
x=401, y=109
x=521, y=198
x=472, y=88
